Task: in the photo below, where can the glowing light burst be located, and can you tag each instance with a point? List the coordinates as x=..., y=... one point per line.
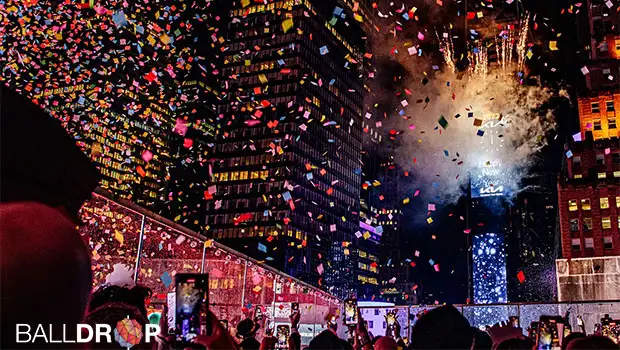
x=446, y=46
x=484, y=115
x=505, y=46
x=524, y=27
x=479, y=60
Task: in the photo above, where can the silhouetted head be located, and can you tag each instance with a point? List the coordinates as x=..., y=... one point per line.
x=385, y=343
x=482, y=340
x=40, y=161
x=571, y=337
x=442, y=328
x=592, y=342
x=326, y=340
x=515, y=344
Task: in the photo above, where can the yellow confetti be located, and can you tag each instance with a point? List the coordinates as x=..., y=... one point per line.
x=553, y=45
x=287, y=24
x=119, y=237
x=429, y=220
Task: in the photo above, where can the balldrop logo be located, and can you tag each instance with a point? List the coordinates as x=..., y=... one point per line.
x=127, y=333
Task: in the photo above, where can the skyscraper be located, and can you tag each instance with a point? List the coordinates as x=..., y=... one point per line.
x=287, y=167
x=110, y=73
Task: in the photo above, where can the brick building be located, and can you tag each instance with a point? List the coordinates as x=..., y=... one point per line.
x=589, y=199
x=598, y=115
x=589, y=186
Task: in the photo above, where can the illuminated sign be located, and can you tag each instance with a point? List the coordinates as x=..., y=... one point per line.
x=489, y=268
x=487, y=180
x=492, y=191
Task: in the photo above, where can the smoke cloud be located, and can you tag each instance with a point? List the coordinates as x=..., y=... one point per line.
x=454, y=127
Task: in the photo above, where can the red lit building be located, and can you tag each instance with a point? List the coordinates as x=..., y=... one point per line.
x=589, y=199
x=589, y=186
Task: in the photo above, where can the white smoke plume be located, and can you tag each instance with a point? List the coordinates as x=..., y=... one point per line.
x=495, y=125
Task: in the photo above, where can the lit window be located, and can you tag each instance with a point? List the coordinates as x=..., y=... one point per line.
x=602, y=175
x=612, y=123
x=572, y=205
x=609, y=105
x=585, y=204
x=597, y=124
x=573, y=225
x=589, y=243
x=587, y=224
x=604, y=203
x=595, y=108
x=616, y=173
x=606, y=222
x=577, y=176
x=575, y=244
x=608, y=242
x=617, y=201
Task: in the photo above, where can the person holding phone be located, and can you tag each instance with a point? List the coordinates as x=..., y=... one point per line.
x=294, y=340
x=361, y=339
x=246, y=331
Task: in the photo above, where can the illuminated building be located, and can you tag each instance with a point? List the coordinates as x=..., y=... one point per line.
x=119, y=142
x=127, y=92
x=598, y=115
x=532, y=241
x=589, y=185
x=367, y=241
x=489, y=268
x=589, y=204
x=287, y=169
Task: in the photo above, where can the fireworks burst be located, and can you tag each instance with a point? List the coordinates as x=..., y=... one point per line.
x=524, y=27
x=446, y=46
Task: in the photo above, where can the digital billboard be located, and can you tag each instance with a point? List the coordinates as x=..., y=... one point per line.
x=489, y=268
x=486, y=180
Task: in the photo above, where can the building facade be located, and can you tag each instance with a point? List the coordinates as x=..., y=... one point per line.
x=287, y=169
x=589, y=199
x=589, y=185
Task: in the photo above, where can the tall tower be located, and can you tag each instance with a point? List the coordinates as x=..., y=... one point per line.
x=287, y=167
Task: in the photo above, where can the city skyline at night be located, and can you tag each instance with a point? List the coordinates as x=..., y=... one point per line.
x=364, y=148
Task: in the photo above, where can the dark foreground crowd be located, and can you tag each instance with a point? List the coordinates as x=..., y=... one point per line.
x=45, y=268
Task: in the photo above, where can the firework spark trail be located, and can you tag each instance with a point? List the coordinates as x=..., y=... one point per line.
x=505, y=47
x=447, y=49
x=479, y=60
x=524, y=27
x=485, y=117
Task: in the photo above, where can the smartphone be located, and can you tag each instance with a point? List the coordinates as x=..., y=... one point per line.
x=532, y=331
x=171, y=299
x=350, y=312
x=390, y=319
x=282, y=334
x=294, y=307
x=258, y=314
x=224, y=324
x=550, y=332
x=192, y=290
x=514, y=321
x=154, y=313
